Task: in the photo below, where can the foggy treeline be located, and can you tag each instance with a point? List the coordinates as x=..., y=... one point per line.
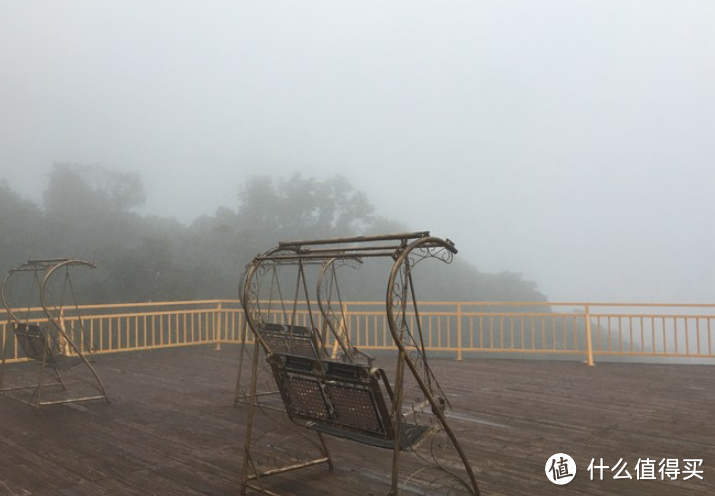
x=90, y=212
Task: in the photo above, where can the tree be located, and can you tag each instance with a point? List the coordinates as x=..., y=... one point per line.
x=146, y=271
x=82, y=191
x=22, y=229
x=88, y=215
x=299, y=207
x=89, y=206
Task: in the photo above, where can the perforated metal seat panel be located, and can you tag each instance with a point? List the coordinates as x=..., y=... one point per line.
x=305, y=396
x=355, y=407
x=341, y=399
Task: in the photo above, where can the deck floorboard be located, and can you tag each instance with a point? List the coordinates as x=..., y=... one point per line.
x=172, y=429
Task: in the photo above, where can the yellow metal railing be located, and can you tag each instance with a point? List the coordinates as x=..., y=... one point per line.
x=459, y=329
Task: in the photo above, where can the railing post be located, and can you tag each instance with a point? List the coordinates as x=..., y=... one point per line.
x=217, y=327
x=589, y=346
x=64, y=346
x=344, y=322
x=459, y=332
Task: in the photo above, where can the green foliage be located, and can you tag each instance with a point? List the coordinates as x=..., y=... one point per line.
x=86, y=191
x=87, y=214
x=22, y=224
x=300, y=208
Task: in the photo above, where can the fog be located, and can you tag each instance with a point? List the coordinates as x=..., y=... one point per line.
x=573, y=142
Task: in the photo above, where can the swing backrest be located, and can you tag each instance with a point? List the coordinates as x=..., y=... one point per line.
x=36, y=343
x=287, y=339
x=347, y=400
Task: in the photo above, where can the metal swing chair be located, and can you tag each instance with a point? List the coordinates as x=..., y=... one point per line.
x=296, y=339
x=56, y=341
x=329, y=388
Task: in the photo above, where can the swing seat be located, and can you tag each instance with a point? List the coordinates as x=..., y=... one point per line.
x=345, y=400
x=38, y=345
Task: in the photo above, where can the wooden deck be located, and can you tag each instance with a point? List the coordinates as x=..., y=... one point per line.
x=172, y=429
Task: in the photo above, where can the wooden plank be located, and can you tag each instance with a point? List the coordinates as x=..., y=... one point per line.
x=171, y=429
x=154, y=483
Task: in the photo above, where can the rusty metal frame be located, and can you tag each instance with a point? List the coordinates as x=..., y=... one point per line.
x=40, y=338
x=414, y=378
x=328, y=297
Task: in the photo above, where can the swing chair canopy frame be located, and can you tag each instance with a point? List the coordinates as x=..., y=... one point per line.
x=47, y=265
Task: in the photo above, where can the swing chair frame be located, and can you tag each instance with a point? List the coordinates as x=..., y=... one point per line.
x=350, y=398
x=51, y=346
x=333, y=322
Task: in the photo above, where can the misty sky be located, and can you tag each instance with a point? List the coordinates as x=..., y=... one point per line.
x=571, y=141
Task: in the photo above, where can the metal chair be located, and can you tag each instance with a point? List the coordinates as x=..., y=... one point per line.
x=49, y=343
x=349, y=398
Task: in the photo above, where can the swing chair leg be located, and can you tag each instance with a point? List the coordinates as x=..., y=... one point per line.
x=4, y=357
x=247, y=460
x=239, y=392
x=326, y=453
x=38, y=396
x=100, y=385
x=58, y=375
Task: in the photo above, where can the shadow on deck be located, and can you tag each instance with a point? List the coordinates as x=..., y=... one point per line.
x=172, y=430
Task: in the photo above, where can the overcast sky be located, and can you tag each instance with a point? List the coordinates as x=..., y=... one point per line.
x=571, y=141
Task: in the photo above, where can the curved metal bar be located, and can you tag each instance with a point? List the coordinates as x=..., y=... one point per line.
x=56, y=321
x=327, y=281
x=52, y=270
x=5, y=285
x=40, y=265
x=29, y=266
x=251, y=298
x=250, y=292
x=433, y=248
x=243, y=337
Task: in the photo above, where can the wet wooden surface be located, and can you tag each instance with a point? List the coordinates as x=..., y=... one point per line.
x=172, y=429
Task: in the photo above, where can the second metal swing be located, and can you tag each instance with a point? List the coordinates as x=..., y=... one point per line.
x=55, y=341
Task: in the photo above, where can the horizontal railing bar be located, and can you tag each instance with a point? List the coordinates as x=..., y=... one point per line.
x=518, y=328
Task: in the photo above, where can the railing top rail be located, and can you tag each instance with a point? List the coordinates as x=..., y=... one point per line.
x=620, y=329
x=464, y=306
x=551, y=304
